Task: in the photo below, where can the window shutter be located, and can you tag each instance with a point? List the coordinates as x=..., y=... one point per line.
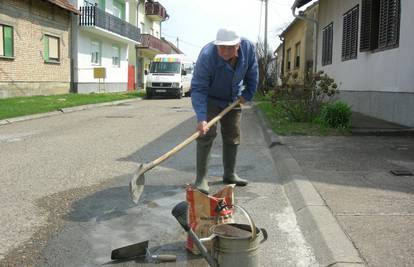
x=53, y=48
x=350, y=34
x=8, y=41
x=354, y=33
x=1, y=41
x=330, y=44
x=46, y=47
x=366, y=25
x=327, y=43
x=344, y=37
x=389, y=20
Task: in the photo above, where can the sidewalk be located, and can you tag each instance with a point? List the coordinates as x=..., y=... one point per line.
x=351, y=209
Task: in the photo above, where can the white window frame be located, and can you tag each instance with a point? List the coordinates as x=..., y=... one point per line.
x=116, y=56
x=96, y=56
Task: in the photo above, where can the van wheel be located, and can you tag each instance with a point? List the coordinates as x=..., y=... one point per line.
x=149, y=95
x=179, y=93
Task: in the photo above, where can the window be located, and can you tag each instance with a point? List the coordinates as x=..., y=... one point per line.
x=119, y=9
x=288, y=58
x=51, y=48
x=380, y=24
x=327, y=43
x=95, y=53
x=116, y=56
x=188, y=67
x=6, y=41
x=350, y=34
x=297, y=55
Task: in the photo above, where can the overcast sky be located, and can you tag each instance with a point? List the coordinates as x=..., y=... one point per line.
x=195, y=22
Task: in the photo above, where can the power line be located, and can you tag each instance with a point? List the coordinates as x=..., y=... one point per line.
x=183, y=41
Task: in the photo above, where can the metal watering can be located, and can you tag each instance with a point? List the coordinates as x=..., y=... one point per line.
x=233, y=244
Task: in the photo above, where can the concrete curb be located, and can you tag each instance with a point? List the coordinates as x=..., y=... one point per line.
x=64, y=110
x=332, y=247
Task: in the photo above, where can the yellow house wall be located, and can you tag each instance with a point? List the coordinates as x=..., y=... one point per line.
x=297, y=33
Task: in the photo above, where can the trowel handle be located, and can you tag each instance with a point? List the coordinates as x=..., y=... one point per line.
x=163, y=258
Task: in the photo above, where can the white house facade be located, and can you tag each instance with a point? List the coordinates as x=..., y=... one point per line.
x=102, y=38
x=367, y=47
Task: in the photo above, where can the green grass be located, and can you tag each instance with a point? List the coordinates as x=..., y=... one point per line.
x=281, y=125
x=20, y=106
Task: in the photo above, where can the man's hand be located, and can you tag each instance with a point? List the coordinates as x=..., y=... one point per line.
x=202, y=127
x=242, y=100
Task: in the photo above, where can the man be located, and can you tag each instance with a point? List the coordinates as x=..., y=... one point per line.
x=226, y=70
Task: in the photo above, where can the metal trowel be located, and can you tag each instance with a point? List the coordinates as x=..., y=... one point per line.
x=140, y=250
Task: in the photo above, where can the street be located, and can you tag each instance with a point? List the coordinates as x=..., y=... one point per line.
x=64, y=187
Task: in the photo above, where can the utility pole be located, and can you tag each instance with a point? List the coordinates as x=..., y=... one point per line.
x=265, y=29
x=265, y=46
x=178, y=43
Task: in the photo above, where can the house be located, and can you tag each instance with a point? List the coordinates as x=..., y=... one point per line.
x=151, y=15
x=366, y=46
x=298, y=40
x=114, y=42
x=279, y=63
x=34, y=47
x=103, y=44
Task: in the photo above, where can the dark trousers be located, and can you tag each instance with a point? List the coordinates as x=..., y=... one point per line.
x=230, y=126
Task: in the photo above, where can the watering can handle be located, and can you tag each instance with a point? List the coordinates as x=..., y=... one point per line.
x=249, y=218
x=264, y=232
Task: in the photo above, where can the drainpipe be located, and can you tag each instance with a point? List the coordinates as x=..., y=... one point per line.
x=282, y=69
x=315, y=33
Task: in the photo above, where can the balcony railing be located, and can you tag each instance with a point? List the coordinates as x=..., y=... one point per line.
x=155, y=11
x=93, y=16
x=153, y=43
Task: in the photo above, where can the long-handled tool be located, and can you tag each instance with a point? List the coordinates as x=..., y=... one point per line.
x=139, y=250
x=136, y=186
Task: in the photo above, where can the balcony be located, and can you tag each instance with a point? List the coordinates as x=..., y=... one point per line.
x=153, y=45
x=92, y=16
x=155, y=11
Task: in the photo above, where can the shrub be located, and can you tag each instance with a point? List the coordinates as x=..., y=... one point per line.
x=302, y=101
x=336, y=115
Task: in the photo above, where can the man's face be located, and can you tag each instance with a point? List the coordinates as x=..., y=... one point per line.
x=227, y=52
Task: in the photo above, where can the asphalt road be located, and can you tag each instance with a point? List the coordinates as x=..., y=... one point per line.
x=64, y=187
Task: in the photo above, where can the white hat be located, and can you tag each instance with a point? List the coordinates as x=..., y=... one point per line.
x=227, y=37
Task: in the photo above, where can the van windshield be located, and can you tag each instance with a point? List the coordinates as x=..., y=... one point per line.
x=165, y=67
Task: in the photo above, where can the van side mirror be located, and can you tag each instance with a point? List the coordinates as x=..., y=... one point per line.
x=183, y=72
x=145, y=72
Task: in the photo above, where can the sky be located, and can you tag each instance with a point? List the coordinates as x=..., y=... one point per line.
x=195, y=22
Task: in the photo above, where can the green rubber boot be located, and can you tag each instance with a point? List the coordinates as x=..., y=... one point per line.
x=229, y=164
x=203, y=157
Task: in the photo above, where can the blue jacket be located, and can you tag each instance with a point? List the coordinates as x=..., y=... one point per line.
x=216, y=82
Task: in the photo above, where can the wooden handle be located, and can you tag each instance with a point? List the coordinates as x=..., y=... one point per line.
x=164, y=258
x=190, y=139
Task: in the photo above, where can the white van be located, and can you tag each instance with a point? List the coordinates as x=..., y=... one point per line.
x=169, y=74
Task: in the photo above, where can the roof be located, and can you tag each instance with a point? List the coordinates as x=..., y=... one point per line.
x=176, y=49
x=297, y=19
x=300, y=3
x=65, y=4
x=289, y=27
